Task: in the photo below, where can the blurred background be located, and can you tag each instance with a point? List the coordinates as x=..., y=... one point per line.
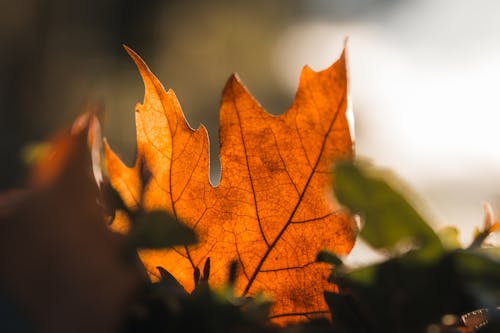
x=424, y=78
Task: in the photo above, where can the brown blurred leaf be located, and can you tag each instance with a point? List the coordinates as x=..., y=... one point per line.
x=59, y=263
x=272, y=211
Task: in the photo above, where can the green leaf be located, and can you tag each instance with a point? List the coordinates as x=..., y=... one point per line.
x=158, y=229
x=480, y=274
x=329, y=258
x=390, y=220
x=363, y=276
x=450, y=238
x=492, y=252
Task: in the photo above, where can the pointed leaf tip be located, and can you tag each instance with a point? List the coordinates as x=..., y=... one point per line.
x=234, y=85
x=233, y=80
x=129, y=50
x=346, y=46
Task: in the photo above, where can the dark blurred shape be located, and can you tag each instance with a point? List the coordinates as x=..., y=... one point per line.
x=59, y=264
x=47, y=49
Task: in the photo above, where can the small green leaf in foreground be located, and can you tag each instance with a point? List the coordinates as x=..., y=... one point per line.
x=158, y=229
x=450, y=238
x=389, y=219
x=329, y=258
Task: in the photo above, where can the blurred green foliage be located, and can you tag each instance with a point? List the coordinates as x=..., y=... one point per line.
x=426, y=283
x=413, y=289
x=390, y=221
x=159, y=229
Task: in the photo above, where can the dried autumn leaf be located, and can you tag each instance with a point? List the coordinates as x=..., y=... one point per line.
x=59, y=263
x=271, y=212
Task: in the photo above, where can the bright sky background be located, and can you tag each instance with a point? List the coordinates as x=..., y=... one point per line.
x=424, y=77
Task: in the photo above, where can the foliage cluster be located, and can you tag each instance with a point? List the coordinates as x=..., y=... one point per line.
x=427, y=283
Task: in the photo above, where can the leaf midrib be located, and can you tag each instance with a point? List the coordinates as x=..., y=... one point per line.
x=299, y=200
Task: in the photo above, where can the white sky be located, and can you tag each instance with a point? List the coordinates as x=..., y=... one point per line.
x=425, y=80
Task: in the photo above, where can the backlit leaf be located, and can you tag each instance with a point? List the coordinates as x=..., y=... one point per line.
x=272, y=211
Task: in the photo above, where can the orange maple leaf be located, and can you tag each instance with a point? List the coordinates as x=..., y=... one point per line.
x=272, y=210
